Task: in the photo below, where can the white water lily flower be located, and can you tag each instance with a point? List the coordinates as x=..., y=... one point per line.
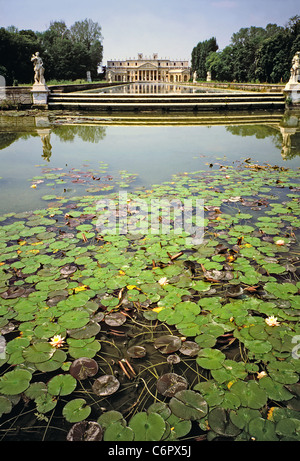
x=272, y=321
x=57, y=341
x=163, y=281
x=261, y=374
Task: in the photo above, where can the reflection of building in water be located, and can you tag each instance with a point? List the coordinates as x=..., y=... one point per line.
x=290, y=131
x=148, y=88
x=148, y=69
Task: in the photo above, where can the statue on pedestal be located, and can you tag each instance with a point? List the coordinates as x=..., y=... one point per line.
x=39, y=90
x=295, y=70
x=292, y=88
x=38, y=69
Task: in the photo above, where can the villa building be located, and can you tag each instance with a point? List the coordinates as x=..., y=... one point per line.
x=148, y=69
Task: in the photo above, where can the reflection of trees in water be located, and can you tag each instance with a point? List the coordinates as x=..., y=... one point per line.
x=68, y=133
x=259, y=131
x=8, y=138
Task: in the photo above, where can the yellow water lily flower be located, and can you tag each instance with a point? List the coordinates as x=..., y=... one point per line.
x=280, y=242
x=57, y=341
x=270, y=413
x=80, y=288
x=157, y=309
x=272, y=321
x=132, y=287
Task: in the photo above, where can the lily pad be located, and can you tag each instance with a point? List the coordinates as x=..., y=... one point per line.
x=62, y=385
x=188, y=405
x=115, y=319
x=220, y=422
x=147, y=427
x=106, y=385
x=136, y=352
x=85, y=431
x=167, y=344
x=170, y=383
x=83, y=367
x=189, y=348
x=15, y=382
x=118, y=432
x=76, y=410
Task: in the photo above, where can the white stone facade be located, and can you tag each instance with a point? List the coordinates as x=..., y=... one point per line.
x=148, y=69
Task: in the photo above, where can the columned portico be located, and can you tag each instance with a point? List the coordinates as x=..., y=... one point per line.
x=148, y=69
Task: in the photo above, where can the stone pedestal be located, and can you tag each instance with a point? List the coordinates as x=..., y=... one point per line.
x=292, y=91
x=40, y=94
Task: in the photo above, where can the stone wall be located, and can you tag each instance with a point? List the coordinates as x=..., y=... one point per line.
x=79, y=87
x=18, y=95
x=245, y=86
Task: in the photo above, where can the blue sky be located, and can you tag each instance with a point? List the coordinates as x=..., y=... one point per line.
x=170, y=28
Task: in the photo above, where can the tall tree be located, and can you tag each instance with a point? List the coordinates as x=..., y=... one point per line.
x=86, y=32
x=199, y=55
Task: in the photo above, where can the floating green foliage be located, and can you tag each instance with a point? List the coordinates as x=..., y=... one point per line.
x=156, y=337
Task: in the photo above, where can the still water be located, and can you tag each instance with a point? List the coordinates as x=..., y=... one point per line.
x=155, y=88
x=98, y=149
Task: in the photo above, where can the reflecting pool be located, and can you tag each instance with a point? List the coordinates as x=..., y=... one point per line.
x=147, y=150
x=155, y=88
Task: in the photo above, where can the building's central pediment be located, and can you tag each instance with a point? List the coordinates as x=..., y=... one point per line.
x=147, y=66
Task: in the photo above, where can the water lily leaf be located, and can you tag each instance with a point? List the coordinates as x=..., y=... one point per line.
x=220, y=422
x=170, y=383
x=83, y=367
x=136, y=352
x=36, y=390
x=281, y=290
x=38, y=352
x=242, y=416
x=288, y=429
x=211, y=392
x=147, y=427
x=275, y=391
x=106, y=385
x=262, y=430
x=87, y=331
x=55, y=362
x=74, y=319
x=69, y=269
x=45, y=402
x=84, y=348
x=110, y=417
x=85, y=431
x=250, y=394
x=189, y=405
x=180, y=427
x=167, y=344
x=76, y=410
x=15, y=382
x=117, y=432
x=62, y=385
x=115, y=319
x=229, y=371
x=189, y=348
x=5, y=405
x=210, y=358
